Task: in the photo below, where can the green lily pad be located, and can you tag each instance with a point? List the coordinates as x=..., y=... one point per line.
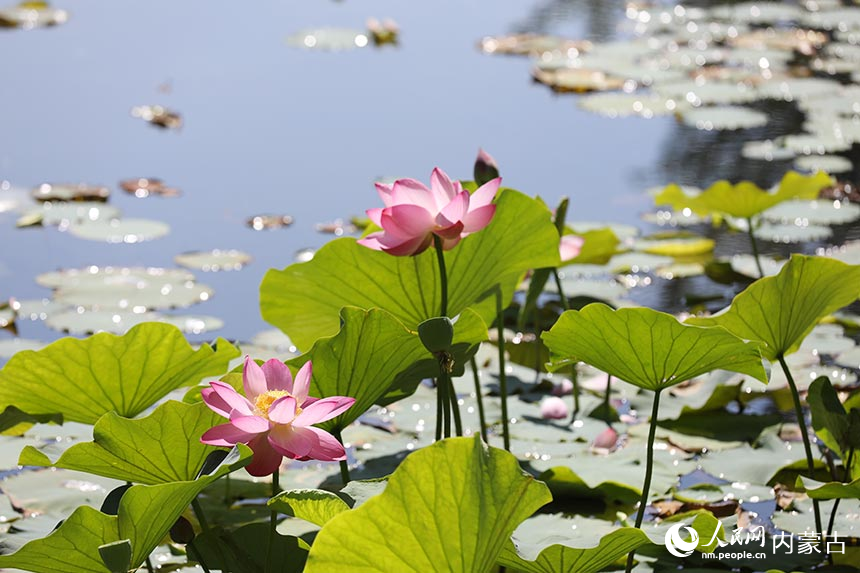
x=30, y=15
x=681, y=270
x=622, y=105
x=55, y=493
x=780, y=311
x=817, y=211
x=82, y=321
x=215, y=260
x=314, y=505
x=790, y=233
x=806, y=144
x=759, y=12
x=107, y=373
x=723, y=118
x=767, y=150
x=746, y=265
x=108, y=276
x=675, y=246
x=452, y=506
x=622, y=232
x=849, y=358
x=63, y=213
x=707, y=93
x=828, y=163
x=35, y=309
x=79, y=537
x=791, y=89
x=67, y=192
x=304, y=299
x=830, y=490
x=135, y=297
x=621, y=341
x=11, y=346
x=120, y=230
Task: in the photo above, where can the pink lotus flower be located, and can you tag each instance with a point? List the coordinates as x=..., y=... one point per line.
x=413, y=214
x=570, y=246
x=553, y=408
x=275, y=416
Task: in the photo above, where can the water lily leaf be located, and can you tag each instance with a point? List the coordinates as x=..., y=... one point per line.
x=451, y=506
x=245, y=550
x=163, y=447
x=562, y=558
x=744, y=199
x=314, y=505
x=828, y=163
x=598, y=247
x=120, y=230
x=214, y=260
x=721, y=118
x=780, y=311
x=11, y=346
x=675, y=246
x=820, y=211
x=79, y=537
x=70, y=192
x=375, y=359
x=829, y=490
x=94, y=277
x=304, y=300
x=646, y=348
x=792, y=233
x=108, y=373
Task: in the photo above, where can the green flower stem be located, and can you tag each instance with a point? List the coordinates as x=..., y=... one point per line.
x=443, y=274
x=149, y=566
x=649, y=467
x=455, y=407
x=804, y=433
x=273, y=522
x=204, y=526
x=438, y=414
x=192, y=550
x=845, y=478
x=227, y=499
x=754, y=247
x=503, y=378
x=344, y=464
x=444, y=388
x=479, y=396
x=606, y=395
x=574, y=377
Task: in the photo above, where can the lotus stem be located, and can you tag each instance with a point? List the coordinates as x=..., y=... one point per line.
x=754, y=247
x=574, y=378
x=479, y=396
x=804, y=433
x=443, y=388
x=149, y=566
x=204, y=526
x=649, y=467
x=443, y=274
x=503, y=379
x=445, y=397
x=606, y=395
x=344, y=464
x=273, y=522
x=455, y=407
x=845, y=478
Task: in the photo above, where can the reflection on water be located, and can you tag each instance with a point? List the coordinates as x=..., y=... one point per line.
x=268, y=128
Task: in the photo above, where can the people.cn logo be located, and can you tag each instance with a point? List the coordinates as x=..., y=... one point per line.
x=676, y=545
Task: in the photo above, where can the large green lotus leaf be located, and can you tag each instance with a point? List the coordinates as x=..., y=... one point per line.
x=160, y=448
x=646, y=348
x=246, y=550
x=85, y=379
x=146, y=513
x=780, y=311
x=375, y=359
x=317, y=506
x=745, y=199
x=304, y=299
x=449, y=507
x=829, y=418
x=829, y=490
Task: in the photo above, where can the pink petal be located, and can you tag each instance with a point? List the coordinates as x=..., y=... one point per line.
x=375, y=216
x=232, y=398
x=215, y=402
x=372, y=241
x=302, y=385
x=485, y=194
x=226, y=435
x=253, y=379
x=292, y=442
x=327, y=449
x=448, y=244
x=553, y=409
x=250, y=424
x=606, y=440
x=407, y=221
x=412, y=192
x=570, y=246
x=283, y=410
x=384, y=190
x=408, y=248
x=278, y=375
x=455, y=210
x=443, y=189
x=266, y=460
x=323, y=410
x=452, y=232
x=477, y=219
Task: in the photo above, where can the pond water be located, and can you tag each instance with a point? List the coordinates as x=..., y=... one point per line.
x=270, y=128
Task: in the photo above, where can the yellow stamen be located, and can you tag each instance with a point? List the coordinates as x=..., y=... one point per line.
x=265, y=401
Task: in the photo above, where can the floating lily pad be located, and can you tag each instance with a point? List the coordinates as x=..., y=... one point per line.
x=847, y=253
x=759, y=12
x=746, y=265
x=827, y=163
x=623, y=105
x=532, y=45
x=192, y=323
x=637, y=262
x=785, y=39
x=338, y=228
x=134, y=297
x=792, y=89
x=7, y=316
x=767, y=150
x=263, y=222
x=724, y=118
x=158, y=116
x=707, y=93
x=274, y=339
x=95, y=277
x=681, y=270
x=215, y=260
x=330, y=39
x=621, y=231
x=70, y=192
x=669, y=218
x=10, y=346
x=577, y=80
x=779, y=233
x=819, y=211
x=121, y=230
x=850, y=358
x=35, y=309
x=82, y=321
x=13, y=198
x=65, y=213
x=675, y=247
x=143, y=187
x=28, y=15
x=842, y=19
x=807, y=144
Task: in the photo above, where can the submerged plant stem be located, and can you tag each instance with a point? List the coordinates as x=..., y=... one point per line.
x=574, y=377
x=273, y=522
x=804, y=433
x=479, y=396
x=344, y=464
x=503, y=379
x=649, y=467
x=754, y=245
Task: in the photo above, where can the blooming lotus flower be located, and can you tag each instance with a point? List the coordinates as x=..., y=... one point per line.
x=413, y=214
x=570, y=246
x=275, y=417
